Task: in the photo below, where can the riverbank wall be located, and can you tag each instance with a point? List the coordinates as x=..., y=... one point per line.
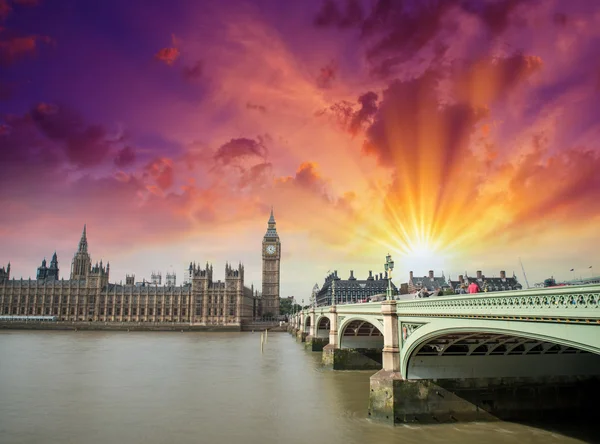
x=115, y=326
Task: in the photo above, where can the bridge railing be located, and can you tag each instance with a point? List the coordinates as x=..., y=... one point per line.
x=577, y=303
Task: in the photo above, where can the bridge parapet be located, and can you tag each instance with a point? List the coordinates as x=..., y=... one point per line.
x=581, y=303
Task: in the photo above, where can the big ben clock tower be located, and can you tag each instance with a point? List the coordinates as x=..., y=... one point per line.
x=271, y=255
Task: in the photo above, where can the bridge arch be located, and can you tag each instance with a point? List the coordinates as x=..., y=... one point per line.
x=524, y=349
x=323, y=324
x=307, y=319
x=360, y=333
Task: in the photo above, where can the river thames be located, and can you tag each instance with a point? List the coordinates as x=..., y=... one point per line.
x=104, y=387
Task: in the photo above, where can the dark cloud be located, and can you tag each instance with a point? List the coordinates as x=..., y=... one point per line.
x=327, y=75
x=240, y=148
x=494, y=14
x=193, y=72
x=396, y=31
x=125, y=157
x=260, y=108
x=399, y=32
x=351, y=119
x=368, y=109
x=85, y=145
x=331, y=15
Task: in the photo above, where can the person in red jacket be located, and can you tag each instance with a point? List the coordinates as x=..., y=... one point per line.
x=473, y=288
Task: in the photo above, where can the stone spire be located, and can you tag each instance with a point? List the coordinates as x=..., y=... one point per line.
x=272, y=218
x=271, y=230
x=83, y=242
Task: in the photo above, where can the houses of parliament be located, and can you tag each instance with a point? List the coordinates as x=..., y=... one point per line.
x=88, y=295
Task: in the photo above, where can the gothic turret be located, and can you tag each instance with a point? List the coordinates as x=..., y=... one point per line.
x=52, y=272
x=80, y=268
x=42, y=270
x=4, y=274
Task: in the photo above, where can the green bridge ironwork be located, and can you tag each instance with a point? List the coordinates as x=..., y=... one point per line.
x=414, y=334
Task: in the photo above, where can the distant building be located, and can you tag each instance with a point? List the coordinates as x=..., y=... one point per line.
x=313, y=295
x=430, y=282
x=352, y=290
x=156, y=278
x=88, y=295
x=171, y=280
x=488, y=284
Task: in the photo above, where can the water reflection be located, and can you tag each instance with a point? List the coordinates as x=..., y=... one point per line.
x=99, y=387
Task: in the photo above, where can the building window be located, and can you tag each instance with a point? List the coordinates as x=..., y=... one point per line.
x=199, y=310
x=183, y=312
x=167, y=311
x=134, y=311
x=158, y=311
x=151, y=312
x=142, y=311
x=174, y=312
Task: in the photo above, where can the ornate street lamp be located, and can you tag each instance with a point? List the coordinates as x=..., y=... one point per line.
x=333, y=292
x=389, y=266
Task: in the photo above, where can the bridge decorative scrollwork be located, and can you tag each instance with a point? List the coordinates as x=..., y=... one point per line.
x=581, y=300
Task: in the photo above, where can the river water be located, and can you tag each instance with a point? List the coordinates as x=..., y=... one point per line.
x=156, y=388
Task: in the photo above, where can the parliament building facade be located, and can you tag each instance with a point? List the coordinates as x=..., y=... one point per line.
x=89, y=296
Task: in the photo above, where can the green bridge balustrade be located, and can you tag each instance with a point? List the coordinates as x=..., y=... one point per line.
x=503, y=355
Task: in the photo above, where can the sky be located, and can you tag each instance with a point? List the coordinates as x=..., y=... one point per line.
x=456, y=135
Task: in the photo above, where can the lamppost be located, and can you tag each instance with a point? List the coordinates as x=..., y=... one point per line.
x=389, y=266
x=333, y=292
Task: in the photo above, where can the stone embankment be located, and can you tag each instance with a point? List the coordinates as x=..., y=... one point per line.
x=114, y=326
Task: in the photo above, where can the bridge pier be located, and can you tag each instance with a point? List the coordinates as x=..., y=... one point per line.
x=425, y=401
x=316, y=344
x=385, y=395
x=329, y=349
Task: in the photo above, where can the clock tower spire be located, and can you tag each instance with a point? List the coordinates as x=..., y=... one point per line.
x=271, y=255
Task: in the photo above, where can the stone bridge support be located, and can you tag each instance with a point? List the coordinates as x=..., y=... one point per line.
x=302, y=333
x=384, y=396
x=329, y=349
x=313, y=342
x=394, y=399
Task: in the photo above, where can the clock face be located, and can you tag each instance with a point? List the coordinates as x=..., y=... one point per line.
x=271, y=249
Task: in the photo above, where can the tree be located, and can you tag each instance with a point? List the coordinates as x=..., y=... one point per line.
x=286, y=307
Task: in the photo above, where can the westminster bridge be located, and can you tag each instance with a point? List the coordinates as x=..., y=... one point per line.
x=507, y=355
